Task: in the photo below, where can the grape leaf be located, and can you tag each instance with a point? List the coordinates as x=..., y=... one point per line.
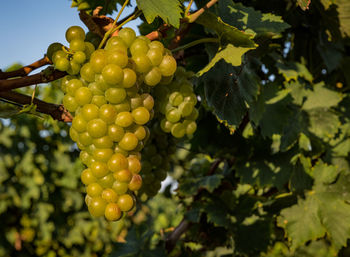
x=226, y=89
x=191, y=186
x=301, y=222
x=225, y=31
x=321, y=97
x=344, y=19
x=246, y=18
x=230, y=54
x=323, y=123
x=293, y=70
x=168, y=10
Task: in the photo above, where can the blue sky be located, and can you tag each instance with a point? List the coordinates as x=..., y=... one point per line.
x=29, y=27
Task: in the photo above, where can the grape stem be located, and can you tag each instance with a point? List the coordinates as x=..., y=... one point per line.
x=196, y=42
x=114, y=29
x=187, y=11
x=44, y=76
x=174, y=236
x=24, y=71
x=57, y=112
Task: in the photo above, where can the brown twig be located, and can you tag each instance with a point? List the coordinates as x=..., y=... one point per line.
x=57, y=112
x=42, y=77
x=159, y=33
x=174, y=236
x=24, y=71
x=194, y=16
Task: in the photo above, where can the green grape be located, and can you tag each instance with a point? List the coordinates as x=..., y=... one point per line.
x=87, y=177
x=135, y=102
x=168, y=65
x=112, y=73
x=83, y=95
x=135, y=182
x=124, y=175
x=125, y=202
x=113, y=212
x=106, y=181
x=98, y=60
x=70, y=103
x=97, y=206
x=178, y=130
x=87, y=72
x=173, y=115
x=109, y=195
x=128, y=142
x=117, y=162
x=129, y=78
x=153, y=77
x=108, y=113
x=85, y=139
x=74, y=135
x=75, y=32
x=60, y=54
x=103, y=142
x=140, y=115
x=94, y=189
x=134, y=164
x=139, y=47
x=128, y=35
x=79, y=57
x=52, y=49
x=115, y=95
x=73, y=85
x=166, y=125
x=124, y=106
x=115, y=132
x=117, y=57
x=86, y=158
x=147, y=101
x=89, y=49
x=186, y=108
x=140, y=132
x=142, y=63
x=77, y=45
x=89, y=112
x=155, y=55
x=190, y=126
x=124, y=119
x=115, y=43
x=79, y=123
x=99, y=169
x=120, y=187
x=74, y=68
x=98, y=100
x=157, y=45
x=176, y=98
x=95, y=89
x=61, y=64
x=96, y=128
x=102, y=154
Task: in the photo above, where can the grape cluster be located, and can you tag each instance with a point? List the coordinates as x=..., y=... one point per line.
x=175, y=101
x=71, y=59
x=110, y=112
x=156, y=159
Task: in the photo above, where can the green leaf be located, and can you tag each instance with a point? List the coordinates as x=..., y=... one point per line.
x=225, y=31
x=246, y=18
x=169, y=10
x=321, y=97
x=293, y=70
x=226, y=90
x=301, y=222
x=210, y=183
x=344, y=19
x=304, y=4
x=323, y=123
x=230, y=54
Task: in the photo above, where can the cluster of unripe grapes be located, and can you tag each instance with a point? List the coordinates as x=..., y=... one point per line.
x=109, y=93
x=71, y=59
x=156, y=159
x=176, y=102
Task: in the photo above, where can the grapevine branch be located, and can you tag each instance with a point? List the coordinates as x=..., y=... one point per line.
x=24, y=71
x=57, y=112
x=42, y=77
x=174, y=236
